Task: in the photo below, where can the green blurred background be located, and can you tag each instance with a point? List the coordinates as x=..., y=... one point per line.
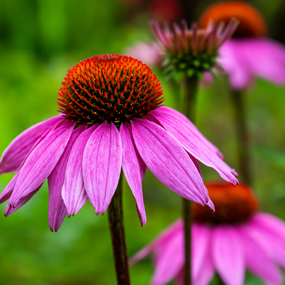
x=39, y=41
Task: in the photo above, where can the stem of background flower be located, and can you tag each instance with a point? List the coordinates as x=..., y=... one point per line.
x=242, y=137
x=116, y=225
x=191, y=87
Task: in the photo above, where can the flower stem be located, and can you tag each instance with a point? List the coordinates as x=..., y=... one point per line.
x=242, y=137
x=191, y=87
x=116, y=225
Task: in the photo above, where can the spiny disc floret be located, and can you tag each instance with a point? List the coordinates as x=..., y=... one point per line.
x=190, y=52
x=111, y=88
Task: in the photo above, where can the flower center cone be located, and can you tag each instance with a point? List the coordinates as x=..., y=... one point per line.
x=251, y=22
x=233, y=204
x=111, y=88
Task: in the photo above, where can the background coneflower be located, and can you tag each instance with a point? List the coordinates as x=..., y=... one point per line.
x=249, y=53
x=234, y=238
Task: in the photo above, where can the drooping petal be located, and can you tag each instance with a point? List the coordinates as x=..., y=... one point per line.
x=15, y=154
x=57, y=210
x=102, y=161
x=271, y=231
x=134, y=169
x=196, y=145
x=169, y=260
x=7, y=192
x=73, y=191
x=196, y=164
x=41, y=161
x=228, y=254
x=177, y=116
x=168, y=161
x=159, y=241
x=200, y=248
x=235, y=64
x=10, y=209
x=266, y=58
x=82, y=199
x=257, y=259
x=270, y=222
x=207, y=271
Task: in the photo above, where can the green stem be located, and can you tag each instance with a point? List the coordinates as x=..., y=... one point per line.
x=191, y=87
x=116, y=225
x=242, y=137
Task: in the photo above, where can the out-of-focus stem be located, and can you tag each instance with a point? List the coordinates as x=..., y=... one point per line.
x=116, y=225
x=191, y=86
x=242, y=138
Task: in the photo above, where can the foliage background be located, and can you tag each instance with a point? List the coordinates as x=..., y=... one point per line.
x=39, y=41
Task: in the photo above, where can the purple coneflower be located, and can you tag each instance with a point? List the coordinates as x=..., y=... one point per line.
x=186, y=51
x=249, y=53
x=234, y=238
x=111, y=118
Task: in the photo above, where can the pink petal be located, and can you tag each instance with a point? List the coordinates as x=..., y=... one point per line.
x=195, y=144
x=266, y=58
x=169, y=260
x=228, y=254
x=73, y=191
x=257, y=259
x=270, y=223
x=159, y=241
x=271, y=231
x=10, y=209
x=134, y=169
x=200, y=248
x=82, y=199
x=235, y=64
x=102, y=161
x=206, y=273
x=15, y=154
x=168, y=161
x=7, y=192
x=177, y=116
x=57, y=210
x=41, y=161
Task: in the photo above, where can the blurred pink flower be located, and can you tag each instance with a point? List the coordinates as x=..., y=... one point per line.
x=249, y=54
x=111, y=118
x=246, y=59
x=183, y=50
x=229, y=241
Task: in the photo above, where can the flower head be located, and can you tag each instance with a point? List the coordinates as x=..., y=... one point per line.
x=192, y=50
x=109, y=88
x=251, y=23
x=232, y=239
x=248, y=54
x=111, y=118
